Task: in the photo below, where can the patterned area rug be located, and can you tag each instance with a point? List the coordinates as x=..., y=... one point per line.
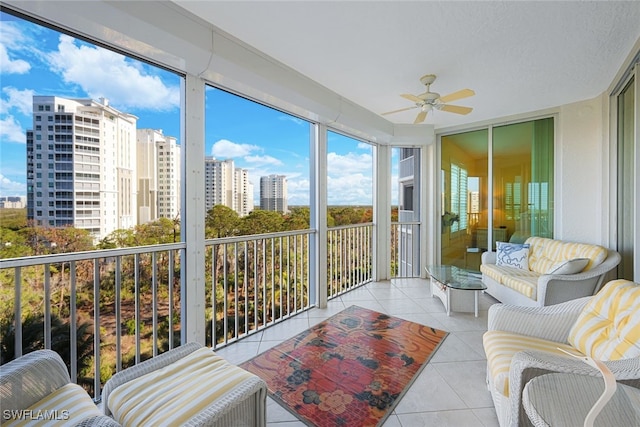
x=349, y=370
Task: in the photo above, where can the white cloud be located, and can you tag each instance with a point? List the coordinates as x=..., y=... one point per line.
x=11, y=130
x=350, y=189
x=263, y=160
x=365, y=146
x=11, y=188
x=13, y=39
x=103, y=73
x=22, y=100
x=226, y=149
x=298, y=191
x=11, y=66
x=349, y=163
x=292, y=119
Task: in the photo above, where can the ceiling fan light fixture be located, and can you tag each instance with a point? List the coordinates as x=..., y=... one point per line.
x=428, y=101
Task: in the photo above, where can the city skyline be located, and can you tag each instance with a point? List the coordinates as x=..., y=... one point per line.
x=37, y=61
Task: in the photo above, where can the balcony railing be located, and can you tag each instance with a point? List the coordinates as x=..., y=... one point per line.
x=254, y=282
x=405, y=249
x=109, y=309
x=349, y=258
x=101, y=310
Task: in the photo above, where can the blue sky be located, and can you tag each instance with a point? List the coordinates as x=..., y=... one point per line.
x=35, y=60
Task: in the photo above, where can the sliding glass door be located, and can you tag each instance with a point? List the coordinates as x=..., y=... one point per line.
x=627, y=204
x=496, y=185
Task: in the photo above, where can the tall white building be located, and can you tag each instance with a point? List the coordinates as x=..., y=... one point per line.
x=158, y=175
x=243, y=192
x=227, y=185
x=81, y=159
x=273, y=193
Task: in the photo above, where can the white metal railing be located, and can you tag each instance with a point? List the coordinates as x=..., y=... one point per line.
x=105, y=310
x=257, y=281
x=405, y=249
x=101, y=310
x=349, y=257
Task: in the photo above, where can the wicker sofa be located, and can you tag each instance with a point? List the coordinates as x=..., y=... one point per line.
x=525, y=342
x=538, y=285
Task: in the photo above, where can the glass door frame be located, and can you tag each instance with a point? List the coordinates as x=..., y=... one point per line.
x=436, y=174
x=632, y=73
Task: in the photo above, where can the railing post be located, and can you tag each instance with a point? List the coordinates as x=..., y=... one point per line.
x=318, y=212
x=381, y=213
x=192, y=285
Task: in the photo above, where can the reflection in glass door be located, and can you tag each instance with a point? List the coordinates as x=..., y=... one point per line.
x=517, y=201
x=463, y=197
x=523, y=181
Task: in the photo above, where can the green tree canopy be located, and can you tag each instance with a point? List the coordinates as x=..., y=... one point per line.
x=221, y=221
x=298, y=219
x=259, y=222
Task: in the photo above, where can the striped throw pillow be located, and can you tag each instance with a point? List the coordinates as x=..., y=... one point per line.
x=609, y=326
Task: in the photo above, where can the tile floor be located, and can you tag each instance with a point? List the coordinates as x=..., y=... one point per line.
x=450, y=390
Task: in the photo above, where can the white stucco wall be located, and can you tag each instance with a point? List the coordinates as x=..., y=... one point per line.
x=581, y=171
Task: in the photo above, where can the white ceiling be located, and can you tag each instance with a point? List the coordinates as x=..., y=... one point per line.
x=518, y=56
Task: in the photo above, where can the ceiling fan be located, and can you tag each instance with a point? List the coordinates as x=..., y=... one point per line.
x=429, y=100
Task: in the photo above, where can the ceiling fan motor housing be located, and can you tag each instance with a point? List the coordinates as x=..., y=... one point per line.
x=430, y=97
x=427, y=79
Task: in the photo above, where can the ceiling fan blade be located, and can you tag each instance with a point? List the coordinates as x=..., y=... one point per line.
x=455, y=109
x=420, y=117
x=411, y=97
x=464, y=93
x=397, y=111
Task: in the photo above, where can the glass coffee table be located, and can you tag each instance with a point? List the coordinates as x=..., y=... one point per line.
x=452, y=285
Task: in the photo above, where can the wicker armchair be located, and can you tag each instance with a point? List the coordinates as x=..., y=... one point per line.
x=510, y=365
x=28, y=381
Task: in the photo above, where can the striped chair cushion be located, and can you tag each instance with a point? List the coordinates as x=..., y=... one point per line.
x=68, y=405
x=544, y=253
x=175, y=393
x=501, y=346
x=609, y=326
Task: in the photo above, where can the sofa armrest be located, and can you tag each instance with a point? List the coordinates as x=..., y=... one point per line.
x=554, y=288
x=144, y=368
x=29, y=378
x=488, y=257
x=552, y=322
x=599, y=271
x=529, y=364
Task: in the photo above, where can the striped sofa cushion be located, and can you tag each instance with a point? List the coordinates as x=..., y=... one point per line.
x=501, y=346
x=68, y=405
x=609, y=326
x=175, y=393
x=523, y=281
x=544, y=253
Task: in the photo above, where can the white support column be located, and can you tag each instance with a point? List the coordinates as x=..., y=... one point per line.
x=192, y=286
x=382, y=213
x=430, y=208
x=318, y=207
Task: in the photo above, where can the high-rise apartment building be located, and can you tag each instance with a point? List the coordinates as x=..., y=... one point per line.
x=227, y=185
x=81, y=159
x=243, y=192
x=158, y=175
x=273, y=193
x=13, y=202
